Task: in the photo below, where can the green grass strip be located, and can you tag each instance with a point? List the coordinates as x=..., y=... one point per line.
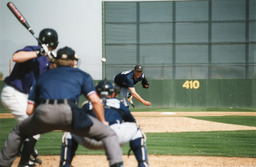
x=223, y=143
x=6, y=125
x=149, y=109
x=193, y=109
x=238, y=120
x=227, y=143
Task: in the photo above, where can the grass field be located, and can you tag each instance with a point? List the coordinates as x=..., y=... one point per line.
x=216, y=143
x=193, y=109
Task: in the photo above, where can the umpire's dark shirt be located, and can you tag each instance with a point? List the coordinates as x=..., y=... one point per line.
x=62, y=83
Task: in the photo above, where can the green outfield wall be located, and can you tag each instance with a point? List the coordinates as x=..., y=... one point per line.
x=215, y=93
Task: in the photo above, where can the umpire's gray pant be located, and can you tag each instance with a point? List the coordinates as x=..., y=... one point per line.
x=49, y=117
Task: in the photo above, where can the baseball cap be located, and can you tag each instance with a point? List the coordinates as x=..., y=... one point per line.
x=66, y=53
x=138, y=68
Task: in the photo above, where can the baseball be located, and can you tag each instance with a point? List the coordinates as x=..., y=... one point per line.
x=103, y=60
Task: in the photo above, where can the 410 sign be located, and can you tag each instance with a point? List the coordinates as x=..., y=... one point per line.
x=189, y=84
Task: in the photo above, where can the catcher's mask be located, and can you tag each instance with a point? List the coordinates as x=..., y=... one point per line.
x=106, y=88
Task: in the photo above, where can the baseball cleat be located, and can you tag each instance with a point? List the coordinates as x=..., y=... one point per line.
x=34, y=158
x=28, y=164
x=131, y=102
x=120, y=164
x=130, y=99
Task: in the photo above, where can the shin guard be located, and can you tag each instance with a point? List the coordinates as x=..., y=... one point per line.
x=68, y=149
x=138, y=146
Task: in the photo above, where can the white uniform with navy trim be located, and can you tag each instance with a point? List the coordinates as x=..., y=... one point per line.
x=123, y=124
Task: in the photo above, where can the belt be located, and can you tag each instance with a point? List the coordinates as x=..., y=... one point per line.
x=51, y=101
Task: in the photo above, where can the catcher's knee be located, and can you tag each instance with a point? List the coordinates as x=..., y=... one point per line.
x=140, y=134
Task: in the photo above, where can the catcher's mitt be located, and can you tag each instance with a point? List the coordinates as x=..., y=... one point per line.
x=145, y=83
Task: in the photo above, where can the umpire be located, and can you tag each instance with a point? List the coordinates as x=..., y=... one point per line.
x=54, y=96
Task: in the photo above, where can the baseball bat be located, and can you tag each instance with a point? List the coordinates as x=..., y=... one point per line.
x=21, y=19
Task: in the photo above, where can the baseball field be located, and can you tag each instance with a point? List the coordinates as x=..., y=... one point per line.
x=221, y=138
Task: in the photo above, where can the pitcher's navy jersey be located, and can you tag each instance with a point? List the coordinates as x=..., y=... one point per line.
x=23, y=74
x=114, y=111
x=62, y=83
x=125, y=79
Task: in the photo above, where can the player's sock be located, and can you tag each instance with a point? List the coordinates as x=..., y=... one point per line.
x=68, y=149
x=139, y=149
x=28, y=148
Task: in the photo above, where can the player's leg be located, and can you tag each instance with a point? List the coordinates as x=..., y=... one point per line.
x=109, y=138
x=138, y=146
x=130, y=99
x=25, y=129
x=125, y=131
x=16, y=103
x=34, y=156
x=68, y=149
x=29, y=155
x=124, y=93
x=42, y=121
x=89, y=143
x=11, y=148
x=28, y=148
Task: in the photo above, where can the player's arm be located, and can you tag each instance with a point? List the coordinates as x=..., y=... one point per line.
x=137, y=96
x=97, y=107
x=31, y=99
x=23, y=56
x=30, y=108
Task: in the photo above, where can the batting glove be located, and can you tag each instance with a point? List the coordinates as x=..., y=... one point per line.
x=51, y=55
x=43, y=50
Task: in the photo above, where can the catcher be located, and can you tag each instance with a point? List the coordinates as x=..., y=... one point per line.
x=120, y=120
x=126, y=81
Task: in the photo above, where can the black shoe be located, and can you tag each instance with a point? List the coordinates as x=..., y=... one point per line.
x=28, y=164
x=120, y=164
x=34, y=157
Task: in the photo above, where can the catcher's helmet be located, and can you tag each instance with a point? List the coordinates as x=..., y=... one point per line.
x=106, y=88
x=49, y=36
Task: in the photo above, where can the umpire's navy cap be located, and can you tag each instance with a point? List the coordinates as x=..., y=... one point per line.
x=66, y=53
x=138, y=68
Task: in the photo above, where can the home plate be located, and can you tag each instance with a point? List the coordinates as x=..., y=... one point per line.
x=168, y=113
